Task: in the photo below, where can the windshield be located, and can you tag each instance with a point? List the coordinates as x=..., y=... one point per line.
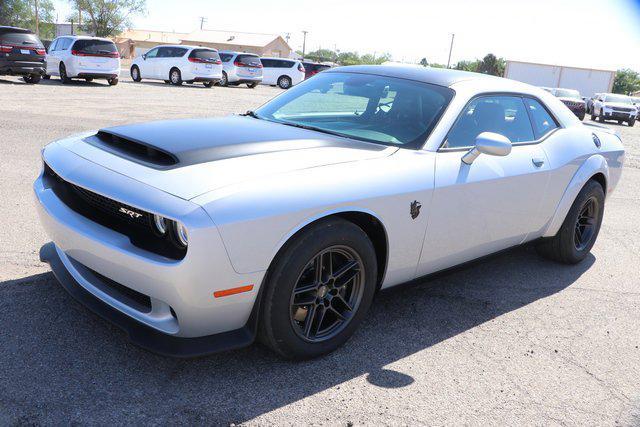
x=372, y=108
x=568, y=93
x=623, y=99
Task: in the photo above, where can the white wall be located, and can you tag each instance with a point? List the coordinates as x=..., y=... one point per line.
x=587, y=82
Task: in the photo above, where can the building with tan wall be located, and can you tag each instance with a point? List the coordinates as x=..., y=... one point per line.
x=135, y=42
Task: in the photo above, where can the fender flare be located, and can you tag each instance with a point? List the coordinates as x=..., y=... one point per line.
x=593, y=165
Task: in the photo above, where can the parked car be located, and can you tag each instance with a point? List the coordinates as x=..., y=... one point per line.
x=313, y=68
x=612, y=106
x=589, y=106
x=196, y=235
x=282, y=72
x=239, y=68
x=636, y=103
x=21, y=54
x=572, y=99
x=83, y=57
x=177, y=64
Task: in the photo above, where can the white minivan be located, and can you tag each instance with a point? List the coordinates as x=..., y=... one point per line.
x=178, y=63
x=83, y=57
x=282, y=72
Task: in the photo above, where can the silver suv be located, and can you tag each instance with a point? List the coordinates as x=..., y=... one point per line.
x=239, y=68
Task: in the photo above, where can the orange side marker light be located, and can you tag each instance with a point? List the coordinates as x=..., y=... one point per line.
x=232, y=291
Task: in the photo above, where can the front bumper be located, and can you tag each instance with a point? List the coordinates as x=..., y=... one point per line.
x=618, y=115
x=181, y=304
x=140, y=334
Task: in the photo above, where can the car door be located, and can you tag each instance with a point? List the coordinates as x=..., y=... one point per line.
x=163, y=63
x=268, y=71
x=147, y=65
x=50, y=58
x=493, y=203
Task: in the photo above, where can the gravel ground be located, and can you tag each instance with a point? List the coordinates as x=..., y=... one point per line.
x=513, y=339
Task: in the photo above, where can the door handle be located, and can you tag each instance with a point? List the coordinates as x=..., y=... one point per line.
x=537, y=162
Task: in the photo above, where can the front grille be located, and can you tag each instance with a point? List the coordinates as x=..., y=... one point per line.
x=622, y=110
x=134, y=223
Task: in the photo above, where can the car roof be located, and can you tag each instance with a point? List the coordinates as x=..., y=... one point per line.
x=185, y=46
x=275, y=57
x=238, y=53
x=76, y=37
x=7, y=29
x=438, y=76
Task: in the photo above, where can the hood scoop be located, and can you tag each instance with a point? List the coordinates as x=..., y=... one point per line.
x=132, y=149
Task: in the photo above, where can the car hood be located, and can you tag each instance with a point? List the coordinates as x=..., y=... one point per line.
x=190, y=157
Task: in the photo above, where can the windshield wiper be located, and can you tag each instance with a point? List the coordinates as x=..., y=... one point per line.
x=251, y=113
x=313, y=128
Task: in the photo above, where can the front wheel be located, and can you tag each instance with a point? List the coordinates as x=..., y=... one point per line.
x=252, y=85
x=135, y=74
x=318, y=290
x=579, y=231
x=224, y=81
x=63, y=74
x=284, y=82
x=631, y=122
x=208, y=84
x=32, y=78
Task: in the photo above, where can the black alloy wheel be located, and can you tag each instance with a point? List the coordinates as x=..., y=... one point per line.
x=586, y=224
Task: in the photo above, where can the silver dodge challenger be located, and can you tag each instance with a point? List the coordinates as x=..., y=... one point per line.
x=197, y=236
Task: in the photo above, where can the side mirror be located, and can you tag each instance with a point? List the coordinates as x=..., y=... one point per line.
x=492, y=144
x=144, y=56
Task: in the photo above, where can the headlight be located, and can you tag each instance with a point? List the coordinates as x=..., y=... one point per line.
x=181, y=233
x=160, y=224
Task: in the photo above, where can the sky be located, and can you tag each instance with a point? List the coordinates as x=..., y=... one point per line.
x=602, y=34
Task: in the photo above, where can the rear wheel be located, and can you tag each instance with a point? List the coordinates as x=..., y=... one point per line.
x=208, y=84
x=252, y=85
x=112, y=81
x=175, y=77
x=579, y=231
x=318, y=290
x=631, y=122
x=88, y=79
x=64, y=78
x=135, y=74
x=46, y=77
x=284, y=82
x=32, y=78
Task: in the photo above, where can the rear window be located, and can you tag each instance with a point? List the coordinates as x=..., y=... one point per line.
x=205, y=54
x=250, y=60
x=21, y=39
x=94, y=46
x=225, y=57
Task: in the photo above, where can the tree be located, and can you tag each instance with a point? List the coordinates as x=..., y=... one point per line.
x=106, y=18
x=424, y=62
x=490, y=64
x=626, y=81
x=22, y=13
x=467, y=65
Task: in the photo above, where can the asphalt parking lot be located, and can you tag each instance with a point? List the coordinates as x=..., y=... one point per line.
x=513, y=339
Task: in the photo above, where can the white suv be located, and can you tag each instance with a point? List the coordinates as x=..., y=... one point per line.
x=178, y=63
x=239, y=68
x=611, y=106
x=83, y=57
x=282, y=72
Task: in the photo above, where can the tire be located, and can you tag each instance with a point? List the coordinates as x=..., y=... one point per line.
x=32, y=79
x=135, y=74
x=46, y=77
x=620, y=122
x=282, y=326
x=252, y=85
x=565, y=246
x=208, y=84
x=224, y=81
x=284, y=82
x=581, y=117
x=601, y=116
x=175, y=77
x=631, y=122
x=88, y=79
x=113, y=81
x=167, y=82
x=63, y=74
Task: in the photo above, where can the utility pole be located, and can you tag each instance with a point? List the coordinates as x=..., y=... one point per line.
x=304, y=43
x=450, y=50
x=202, y=21
x=79, y=14
x=37, y=20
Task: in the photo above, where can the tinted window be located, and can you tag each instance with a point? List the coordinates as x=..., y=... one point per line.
x=225, y=57
x=373, y=108
x=543, y=122
x=280, y=63
x=267, y=62
x=153, y=53
x=205, y=54
x=171, y=52
x=505, y=115
x=20, y=39
x=94, y=46
x=249, y=60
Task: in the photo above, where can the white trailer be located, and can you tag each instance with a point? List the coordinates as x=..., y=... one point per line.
x=585, y=80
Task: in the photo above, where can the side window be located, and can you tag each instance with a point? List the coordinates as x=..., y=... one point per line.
x=267, y=63
x=179, y=52
x=225, y=57
x=153, y=53
x=63, y=44
x=53, y=45
x=164, y=52
x=543, y=123
x=505, y=115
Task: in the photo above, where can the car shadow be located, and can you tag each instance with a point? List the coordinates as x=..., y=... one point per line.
x=57, y=354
